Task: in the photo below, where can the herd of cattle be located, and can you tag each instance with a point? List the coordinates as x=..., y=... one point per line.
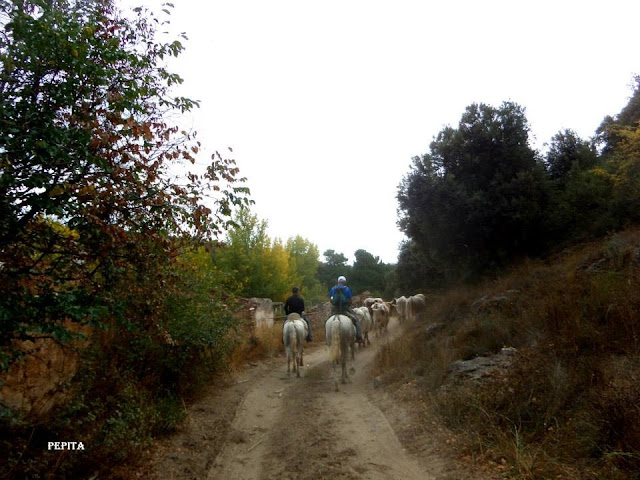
x=374, y=313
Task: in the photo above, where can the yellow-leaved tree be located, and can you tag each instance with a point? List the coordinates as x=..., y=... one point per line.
x=627, y=163
x=303, y=260
x=261, y=266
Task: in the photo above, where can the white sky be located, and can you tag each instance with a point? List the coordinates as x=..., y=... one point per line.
x=325, y=103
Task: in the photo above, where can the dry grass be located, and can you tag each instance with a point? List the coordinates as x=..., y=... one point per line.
x=568, y=406
x=256, y=343
x=265, y=341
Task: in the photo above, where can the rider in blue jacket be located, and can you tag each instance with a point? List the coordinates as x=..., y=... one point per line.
x=340, y=296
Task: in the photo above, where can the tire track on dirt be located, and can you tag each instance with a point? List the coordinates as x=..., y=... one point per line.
x=289, y=428
x=325, y=434
x=264, y=425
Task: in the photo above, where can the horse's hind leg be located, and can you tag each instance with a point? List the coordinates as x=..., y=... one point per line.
x=344, y=370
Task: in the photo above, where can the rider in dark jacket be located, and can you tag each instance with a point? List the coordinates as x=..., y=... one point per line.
x=295, y=304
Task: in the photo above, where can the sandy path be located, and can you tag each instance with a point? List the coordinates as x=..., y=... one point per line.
x=261, y=424
x=300, y=428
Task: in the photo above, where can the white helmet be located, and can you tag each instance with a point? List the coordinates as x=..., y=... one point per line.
x=341, y=278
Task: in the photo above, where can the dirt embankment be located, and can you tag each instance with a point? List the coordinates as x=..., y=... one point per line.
x=262, y=424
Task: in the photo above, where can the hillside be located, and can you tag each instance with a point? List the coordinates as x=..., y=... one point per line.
x=562, y=400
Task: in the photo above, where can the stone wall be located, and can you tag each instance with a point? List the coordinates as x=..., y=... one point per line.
x=38, y=381
x=261, y=311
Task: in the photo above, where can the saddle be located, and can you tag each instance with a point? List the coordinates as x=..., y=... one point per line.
x=347, y=314
x=296, y=316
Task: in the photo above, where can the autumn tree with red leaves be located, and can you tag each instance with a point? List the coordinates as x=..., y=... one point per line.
x=95, y=223
x=88, y=209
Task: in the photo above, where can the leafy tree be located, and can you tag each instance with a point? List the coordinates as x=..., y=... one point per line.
x=334, y=265
x=618, y=138
x=85, y=145
x=584, y=207
x=416, y=271
x=368, y=273
x=625, y=161
x=260, y=265
x=303, y=257
x=334, y=259
x=581, y=191
x=629, y=116
x=279, y=273
x=303, y=260
x=607, y=137
x=91, y=222
x=478, y=198
x=592, y=194
x=199, y=318
x=567, y=153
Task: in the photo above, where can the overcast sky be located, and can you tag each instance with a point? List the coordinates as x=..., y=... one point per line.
x=325, y=103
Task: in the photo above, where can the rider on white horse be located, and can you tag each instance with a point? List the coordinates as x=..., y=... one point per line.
x=340, y=296
x=295, y=304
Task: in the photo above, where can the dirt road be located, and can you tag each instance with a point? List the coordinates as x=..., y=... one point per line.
x=266, y=425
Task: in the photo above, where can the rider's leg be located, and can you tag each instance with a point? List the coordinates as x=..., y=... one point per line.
x=358, y=330
x=309, y=337
x=283, y=324
x=356, y=321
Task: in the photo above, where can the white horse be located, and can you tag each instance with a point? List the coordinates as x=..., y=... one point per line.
x=293, y=335
x=366, y=323
x=341, y=338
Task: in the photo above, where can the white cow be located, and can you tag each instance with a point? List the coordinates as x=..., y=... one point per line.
x=401, y=308
x=366, y=323
x=380, y=317
x=369, y=302
x=392, y=309
x=416, y=305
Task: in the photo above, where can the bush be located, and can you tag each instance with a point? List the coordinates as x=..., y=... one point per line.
x=567, y=405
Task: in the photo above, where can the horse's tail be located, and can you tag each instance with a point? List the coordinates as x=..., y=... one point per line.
x=334, y=353
x=293, y=340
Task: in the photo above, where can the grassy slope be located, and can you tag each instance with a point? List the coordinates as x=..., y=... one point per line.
x=569, y=406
